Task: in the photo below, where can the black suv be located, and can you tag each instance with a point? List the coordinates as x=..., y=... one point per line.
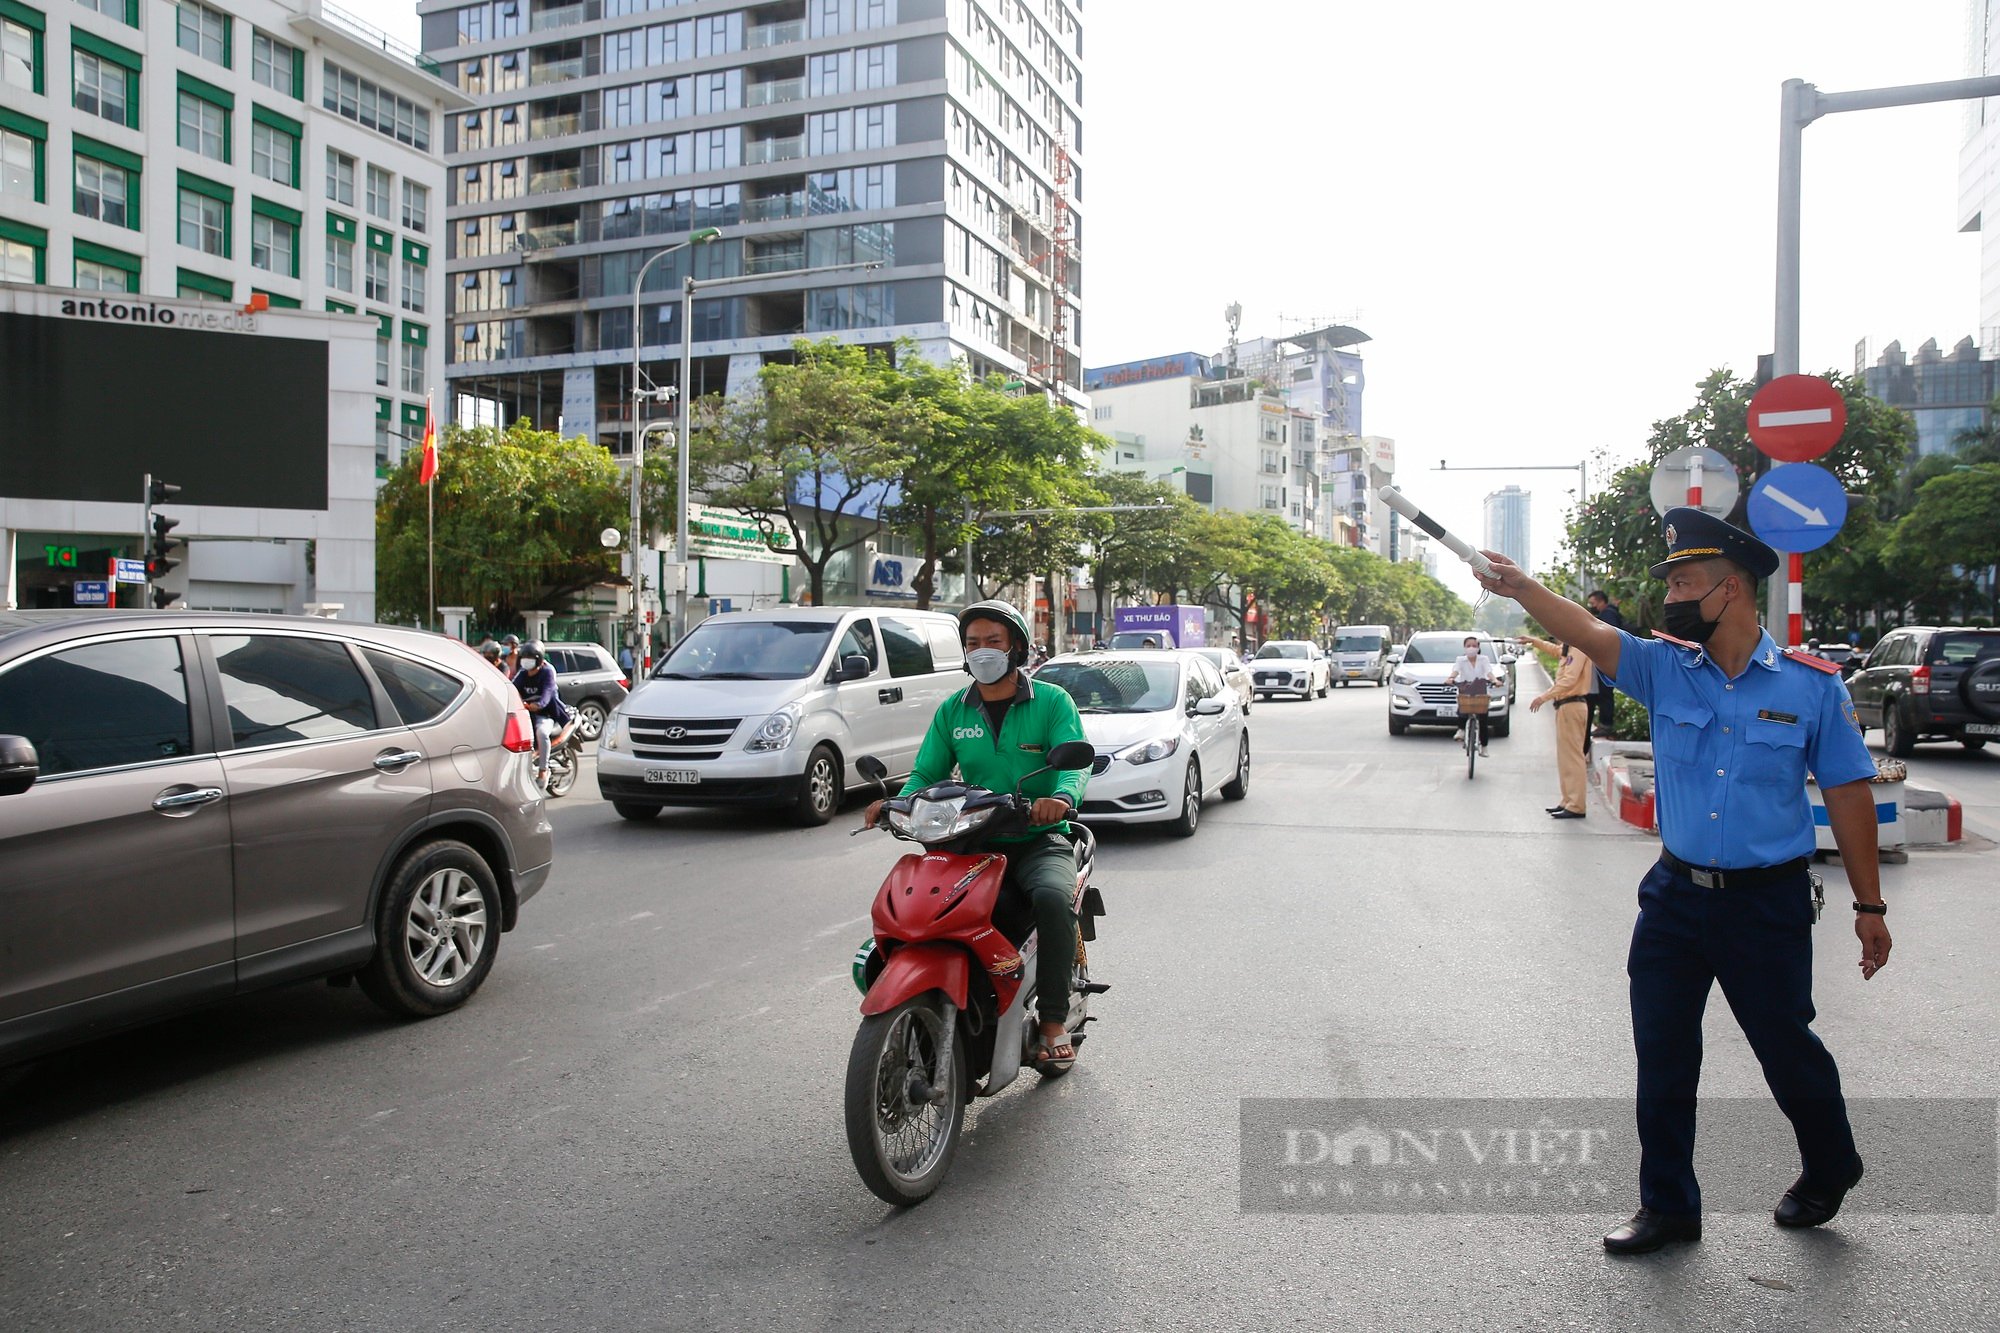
x=589, y=680
x=1931, y=683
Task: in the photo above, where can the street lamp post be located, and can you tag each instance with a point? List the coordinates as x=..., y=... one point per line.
x=688, y=288
x=642, y=648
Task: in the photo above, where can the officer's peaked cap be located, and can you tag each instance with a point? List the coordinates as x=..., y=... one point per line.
x=1694, y=535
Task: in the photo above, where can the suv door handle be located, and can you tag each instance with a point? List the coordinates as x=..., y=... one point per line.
x=168, y=804
x=892, y=695
x=397, y=759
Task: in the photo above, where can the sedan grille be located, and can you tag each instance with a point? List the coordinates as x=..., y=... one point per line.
x=1099, y=764
x=681, y=738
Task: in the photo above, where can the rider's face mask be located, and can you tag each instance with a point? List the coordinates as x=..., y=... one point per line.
x=530, y=663
x=989, y=666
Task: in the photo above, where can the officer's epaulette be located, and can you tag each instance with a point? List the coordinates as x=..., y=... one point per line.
x=1804, y=658
x=1678, y=643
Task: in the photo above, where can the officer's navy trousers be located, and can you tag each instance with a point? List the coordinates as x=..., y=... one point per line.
x=1758, y=943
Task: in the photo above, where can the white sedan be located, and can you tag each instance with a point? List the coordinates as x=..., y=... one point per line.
x=1235, y=673
x=1291, y=666
x=1169, y=734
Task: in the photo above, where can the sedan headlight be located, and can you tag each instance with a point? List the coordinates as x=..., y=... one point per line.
x=1403, y=678
x=939, y=821
x=1148, y=752
x=776, y=731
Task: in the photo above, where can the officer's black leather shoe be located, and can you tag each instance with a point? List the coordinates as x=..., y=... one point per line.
x=1809, y=1205
x=1648, y=1231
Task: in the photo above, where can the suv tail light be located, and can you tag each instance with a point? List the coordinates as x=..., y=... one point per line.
x=1920, y=680
x=520, y=733
x=624, y=684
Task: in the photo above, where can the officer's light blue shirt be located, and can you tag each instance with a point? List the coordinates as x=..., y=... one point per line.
x=1730, y=756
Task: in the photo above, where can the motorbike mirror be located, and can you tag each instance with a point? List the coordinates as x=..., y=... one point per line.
x=1072, y=755
x=855, y=667
x=19, y=765
x=868, y=766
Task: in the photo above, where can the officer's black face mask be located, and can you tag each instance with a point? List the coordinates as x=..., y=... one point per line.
x=1686, y=620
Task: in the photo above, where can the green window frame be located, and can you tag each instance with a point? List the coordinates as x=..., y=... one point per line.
x=224, y=195
x=111, y=155
x=221, y=99
x=278, y=302
x=385, y=326
x=35, y=238
x=292, y=218
x=285, y=125
x=381, y=241
x=413, y=416
x=36, y=132
x=37, y=26
x=89, y=43
x=202, y=282
x=336, y=308
x=416, y=252
x=101, y=254
x=415, y=334
x=228, y=32
x=294, y=64
x=337, y=225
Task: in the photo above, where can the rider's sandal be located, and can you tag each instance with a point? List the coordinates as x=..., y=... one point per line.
x=1057, y=1053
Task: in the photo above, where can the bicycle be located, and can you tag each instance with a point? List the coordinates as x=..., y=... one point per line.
x=1472, y=715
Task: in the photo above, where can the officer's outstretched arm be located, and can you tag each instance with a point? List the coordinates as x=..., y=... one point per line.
x=1559, y=615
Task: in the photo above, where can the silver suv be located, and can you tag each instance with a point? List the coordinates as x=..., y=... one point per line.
x=195, y=805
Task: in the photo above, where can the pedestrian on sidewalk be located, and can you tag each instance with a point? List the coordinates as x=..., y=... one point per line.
x=1604, y=699
x=1737, y=725
x=1570, y=694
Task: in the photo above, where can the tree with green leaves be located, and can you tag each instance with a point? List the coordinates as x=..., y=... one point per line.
x=814, y=451
x=1950, y=535
x=518, y=516
x=976, y=448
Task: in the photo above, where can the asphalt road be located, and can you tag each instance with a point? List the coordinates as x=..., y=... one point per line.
x=636, y=1125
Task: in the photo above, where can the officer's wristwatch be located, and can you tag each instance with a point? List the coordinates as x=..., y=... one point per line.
x=1873, y=909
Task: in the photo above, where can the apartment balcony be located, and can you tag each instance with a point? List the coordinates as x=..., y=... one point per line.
x=560, y=16
x=775, y=261
x=771, y=34
x=546, y=182
x=554, y=127
x=774, y=92
x=556, y=71
x=774, y=207
x=547, y=237
x=773, y=150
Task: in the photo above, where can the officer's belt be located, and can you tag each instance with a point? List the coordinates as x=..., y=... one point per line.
x=1733, y=879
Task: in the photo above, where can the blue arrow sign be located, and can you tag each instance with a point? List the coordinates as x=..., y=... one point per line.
x=1797, y=507
x=91, y=592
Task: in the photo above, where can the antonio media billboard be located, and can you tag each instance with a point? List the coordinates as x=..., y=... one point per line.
x=110, y=390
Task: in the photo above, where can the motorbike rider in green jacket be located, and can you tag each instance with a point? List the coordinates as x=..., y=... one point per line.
x=995, y=733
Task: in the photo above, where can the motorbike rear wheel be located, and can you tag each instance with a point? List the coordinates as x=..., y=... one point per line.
x=903, y=1145
x=562, y=770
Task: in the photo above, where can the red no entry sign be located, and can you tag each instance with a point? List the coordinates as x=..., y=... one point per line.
x=1797, y=417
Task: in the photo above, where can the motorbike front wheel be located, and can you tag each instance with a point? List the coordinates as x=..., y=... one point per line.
x=902, y=1135
x=562, y=770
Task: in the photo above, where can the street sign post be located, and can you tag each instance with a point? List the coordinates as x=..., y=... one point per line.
x=1797, y=417
x=1797, y=507
x=1697, y=476
x=91, y=592
x=125, y=570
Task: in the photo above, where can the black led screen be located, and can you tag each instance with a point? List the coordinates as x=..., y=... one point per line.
x=89, y=406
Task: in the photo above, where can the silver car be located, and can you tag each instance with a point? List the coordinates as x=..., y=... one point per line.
x=195, y=805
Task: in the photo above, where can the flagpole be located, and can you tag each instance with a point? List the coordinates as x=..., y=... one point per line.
x=430, y=506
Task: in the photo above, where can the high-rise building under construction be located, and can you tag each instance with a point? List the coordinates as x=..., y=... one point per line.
x=940, y=140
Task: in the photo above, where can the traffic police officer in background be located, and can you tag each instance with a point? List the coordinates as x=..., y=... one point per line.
x=1737, y=724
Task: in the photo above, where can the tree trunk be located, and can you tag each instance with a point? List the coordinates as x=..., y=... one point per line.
x=925, y=579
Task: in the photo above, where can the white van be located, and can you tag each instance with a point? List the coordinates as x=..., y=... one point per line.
x=772, y=708
x=1361, y=652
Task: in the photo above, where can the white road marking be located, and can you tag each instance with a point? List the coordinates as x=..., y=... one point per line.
x=638, y=916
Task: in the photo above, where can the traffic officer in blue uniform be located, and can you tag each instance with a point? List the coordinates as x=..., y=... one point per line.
x=1737, y=725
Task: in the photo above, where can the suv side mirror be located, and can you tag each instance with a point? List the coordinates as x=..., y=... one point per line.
x=853, y=667
x=1073, y=755
x=19, y=765
x=1508, y=659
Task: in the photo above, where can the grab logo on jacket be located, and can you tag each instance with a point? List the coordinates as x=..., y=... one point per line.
x=968, y=733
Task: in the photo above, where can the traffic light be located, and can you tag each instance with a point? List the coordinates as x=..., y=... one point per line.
x=159, y=492
x=160, y=551
x=162, y=599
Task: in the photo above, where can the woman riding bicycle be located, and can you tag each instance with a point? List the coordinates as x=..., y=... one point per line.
x=1475, y=673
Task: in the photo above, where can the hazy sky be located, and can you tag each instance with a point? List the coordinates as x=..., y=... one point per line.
x=1553, y=218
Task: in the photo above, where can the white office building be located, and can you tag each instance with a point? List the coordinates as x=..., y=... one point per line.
x=253, y=153
x=1507, y=524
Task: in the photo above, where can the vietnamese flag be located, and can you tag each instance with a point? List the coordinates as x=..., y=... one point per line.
x=429, y=469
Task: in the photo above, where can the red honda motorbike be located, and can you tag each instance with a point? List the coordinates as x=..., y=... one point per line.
x=948, y=980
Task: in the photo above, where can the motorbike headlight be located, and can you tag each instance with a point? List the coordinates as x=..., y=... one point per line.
x=934, y=821
x=776, y=731
x=1148, y=752
x=899, y=820
x=1403, y=678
